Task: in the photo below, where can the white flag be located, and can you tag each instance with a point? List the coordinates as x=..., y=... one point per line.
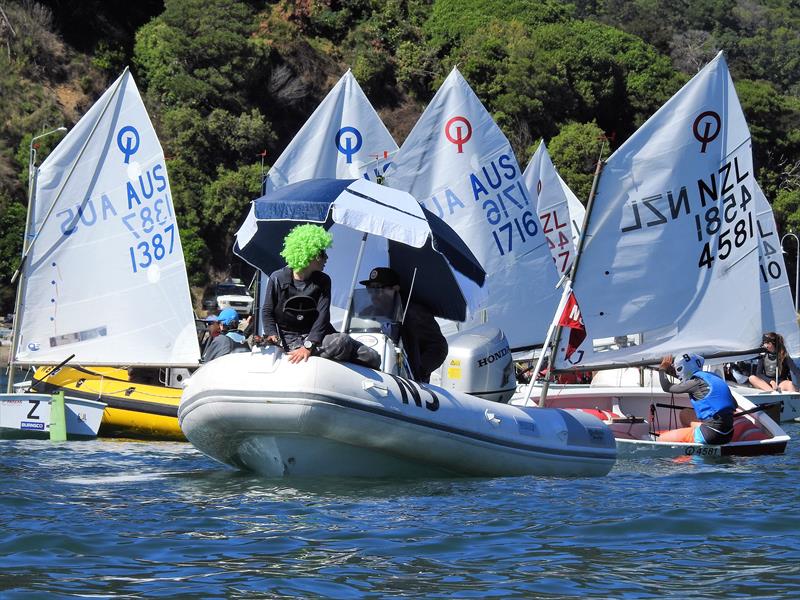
x=458, y=163
x=670, y=255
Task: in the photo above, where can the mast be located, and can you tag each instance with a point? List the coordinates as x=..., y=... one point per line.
x=573, y=272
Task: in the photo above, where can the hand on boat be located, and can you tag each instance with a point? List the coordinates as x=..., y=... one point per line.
x=666, y=363
x=299, y=355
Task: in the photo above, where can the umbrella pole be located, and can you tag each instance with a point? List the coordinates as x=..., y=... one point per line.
x=349, y=310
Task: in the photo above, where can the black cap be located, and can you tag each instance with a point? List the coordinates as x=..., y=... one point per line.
x=382, y=276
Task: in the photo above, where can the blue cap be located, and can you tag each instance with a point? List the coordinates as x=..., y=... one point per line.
x=211, y=319
x=227, y=316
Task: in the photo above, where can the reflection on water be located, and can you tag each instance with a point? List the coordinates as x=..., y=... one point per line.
x=141, y=519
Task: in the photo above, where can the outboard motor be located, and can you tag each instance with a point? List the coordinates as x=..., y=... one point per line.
x=479, y=363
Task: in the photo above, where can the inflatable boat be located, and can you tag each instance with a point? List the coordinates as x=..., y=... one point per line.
x=258, y=412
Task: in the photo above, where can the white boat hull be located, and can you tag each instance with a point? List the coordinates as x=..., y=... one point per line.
x=790, y=401
x=28, y=416
x=260, y=413
x=636, y=414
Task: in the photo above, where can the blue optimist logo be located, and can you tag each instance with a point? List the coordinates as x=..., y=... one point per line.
x=352, y=142
x=128, y=142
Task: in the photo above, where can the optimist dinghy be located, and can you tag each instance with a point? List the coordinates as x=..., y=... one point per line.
x=101, y=205
x=257, y=411
x=667, y=264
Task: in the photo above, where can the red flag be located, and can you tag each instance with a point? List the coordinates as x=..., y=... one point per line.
x=572, y=320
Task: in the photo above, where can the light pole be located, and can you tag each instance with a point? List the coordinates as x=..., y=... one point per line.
x=25, y=240
x=796, y=264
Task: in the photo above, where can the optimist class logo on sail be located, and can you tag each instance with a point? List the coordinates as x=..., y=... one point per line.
x=148, y=216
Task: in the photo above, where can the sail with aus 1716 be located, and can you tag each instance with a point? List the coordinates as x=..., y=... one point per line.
x=105, y=278
x=670, y=260
x=459, y=165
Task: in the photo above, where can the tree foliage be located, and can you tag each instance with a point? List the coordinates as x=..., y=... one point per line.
x=225, y=80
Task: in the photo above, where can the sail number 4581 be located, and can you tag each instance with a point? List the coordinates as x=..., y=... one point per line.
x=731, y=237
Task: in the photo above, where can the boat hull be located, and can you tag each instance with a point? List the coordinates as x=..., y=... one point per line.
x=635, y=415
x=133, y=410
x=788, y=402
x=27, y=416
x=260, y=413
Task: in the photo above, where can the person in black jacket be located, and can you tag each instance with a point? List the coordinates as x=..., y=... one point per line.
x=296, y=312
x=425, y=346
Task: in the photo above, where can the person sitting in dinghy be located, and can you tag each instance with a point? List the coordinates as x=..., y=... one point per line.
x=296, y=312
x=775, y=367
x=230, y=339
x=711, y=399
x=423, y=341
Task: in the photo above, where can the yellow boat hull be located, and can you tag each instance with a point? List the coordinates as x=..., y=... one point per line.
x=134, y=410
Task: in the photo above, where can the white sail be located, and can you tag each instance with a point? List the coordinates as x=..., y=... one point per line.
x=105, y=277
x=777, y=307
x=344, y=138
x=560, y=212
x=458, y=163
x=670, y=257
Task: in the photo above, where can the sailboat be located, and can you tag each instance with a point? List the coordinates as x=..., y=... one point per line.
x=669, y=238
x=104, y=277
x=258, y=412
x=344, y=138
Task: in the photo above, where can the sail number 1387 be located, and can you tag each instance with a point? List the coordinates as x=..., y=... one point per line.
x=148, y=251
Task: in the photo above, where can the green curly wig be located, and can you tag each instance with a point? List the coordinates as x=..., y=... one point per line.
x=303, y=244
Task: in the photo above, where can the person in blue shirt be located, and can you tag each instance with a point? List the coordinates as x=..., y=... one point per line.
x=230, y=338
x=711, y=399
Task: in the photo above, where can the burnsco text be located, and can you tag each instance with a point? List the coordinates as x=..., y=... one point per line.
x=720, y=204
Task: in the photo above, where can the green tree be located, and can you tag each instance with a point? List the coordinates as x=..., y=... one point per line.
x=226, y=202
x=575, y=71
x=575, y=151
x=200, y=54
x=12, y=230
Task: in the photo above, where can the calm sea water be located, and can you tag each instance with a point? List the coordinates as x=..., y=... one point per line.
x=110, y=518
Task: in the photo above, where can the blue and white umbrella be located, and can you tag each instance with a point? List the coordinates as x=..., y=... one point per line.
x=403, y=235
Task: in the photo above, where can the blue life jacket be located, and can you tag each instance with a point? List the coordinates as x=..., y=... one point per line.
x=236, y=336
x=719, y=397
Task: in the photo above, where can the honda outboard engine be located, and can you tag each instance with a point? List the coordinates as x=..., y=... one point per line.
x=479, y=363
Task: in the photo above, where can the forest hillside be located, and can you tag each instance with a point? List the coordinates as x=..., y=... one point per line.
x=226, y=80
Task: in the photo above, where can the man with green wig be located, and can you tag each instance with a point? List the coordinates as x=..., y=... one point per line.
x=296, y=313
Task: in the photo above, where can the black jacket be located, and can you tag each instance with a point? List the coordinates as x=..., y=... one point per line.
x=280, y=288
